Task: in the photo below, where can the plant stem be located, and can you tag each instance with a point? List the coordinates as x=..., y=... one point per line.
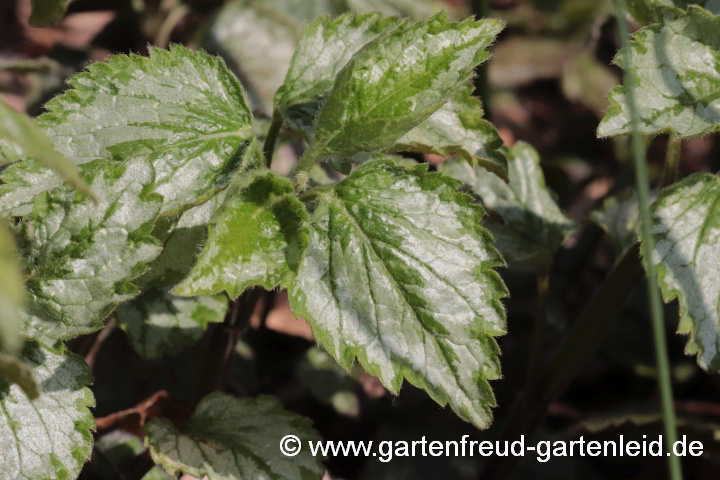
x=576, y=349
x=648, y=246
x=543, y=284
x=672, y=160
x=271, y=139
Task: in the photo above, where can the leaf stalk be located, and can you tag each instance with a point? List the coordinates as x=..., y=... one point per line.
x=272, y=136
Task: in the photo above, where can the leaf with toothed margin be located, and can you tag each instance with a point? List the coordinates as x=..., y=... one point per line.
x=534, y=227
x=181, y=110
x=229, y=438
x=265, y=214
x=21, y=135
x=325, y=48
x=686, y=228
x=50, y=437
x=81, y=257
x=184, y=236
x=159, y=323
x=458, y=128
x=399, y=273
x=396, y=82
x=675, y=66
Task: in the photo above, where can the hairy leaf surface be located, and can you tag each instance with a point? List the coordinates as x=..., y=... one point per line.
x=49, y=437
x=686, y=227
x=397, y=81
x=183, y=111
x=231, y=438
x=256, y=239
x=28, y=138
x=675, y=65
x=324, y=49
x=159, y=323
x=458, y=128
x=82, y=257
x=183, y=237
x=534, y=225
x=399, y=273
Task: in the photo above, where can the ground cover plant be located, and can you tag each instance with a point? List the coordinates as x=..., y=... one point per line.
x=229, y=222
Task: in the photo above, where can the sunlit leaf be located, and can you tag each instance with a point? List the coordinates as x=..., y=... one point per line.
x=686, y=227
x=49, y=437
x=398, y=273
x=268, y=218
x=183, y=111
x=325, y=48
x=82, y=257
x=674, y=66
x=458, y=128
x=183, y=237
x=376, y=99
x=25, y=137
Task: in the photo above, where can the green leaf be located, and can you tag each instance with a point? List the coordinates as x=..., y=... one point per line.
x=159, y=323
x=458, y=128
x=268, y=218
x=647, y=11
x=22, y=182
x=12, y=291
x=399, y=273
x=49, y=437
x=686, y=226
x=376, y=98
x=28, y=138
x=534, y=225
x=183, y=111
x=82, y=257
x=325, y=48
x=229, y=438
x=261, y=63
x=676, y=75
x=183, y=237
x=45, y=12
